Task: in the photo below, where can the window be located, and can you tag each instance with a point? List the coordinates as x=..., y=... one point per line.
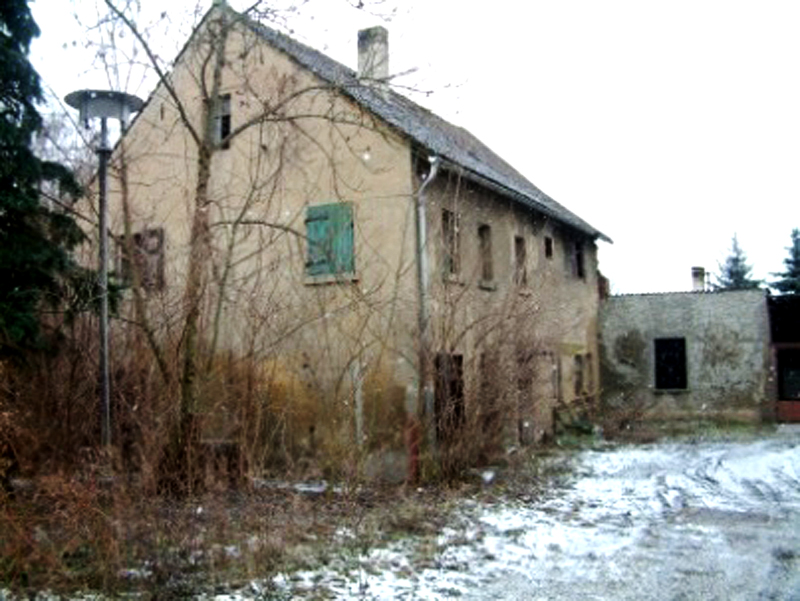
x=588, y=374
x=222, y=120
x=670, y=363
x=145, y=262
x=578, y=375
x=485, y=248
x=548, y=247
x=520, y=262
x=450, y=239
x=575, y=260
x=329, y=231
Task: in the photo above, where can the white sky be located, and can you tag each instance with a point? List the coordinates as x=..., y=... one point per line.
x=669, y=126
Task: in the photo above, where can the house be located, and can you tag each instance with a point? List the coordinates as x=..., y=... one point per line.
x=728, y=355
x=377, y=262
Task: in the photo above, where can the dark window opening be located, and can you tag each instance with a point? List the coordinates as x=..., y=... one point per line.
x=575, y=260
x=578, y=375
x=222, y=121
x=670, y=363
x=450, y=237
x=449, y=396
x=485, y=244
x=588, y=374
x=580, y=268
x=789, y=374
x=548, y=247
x=142, y=260
x=520, y=262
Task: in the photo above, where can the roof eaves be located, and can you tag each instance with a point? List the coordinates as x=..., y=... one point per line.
x=495, y=186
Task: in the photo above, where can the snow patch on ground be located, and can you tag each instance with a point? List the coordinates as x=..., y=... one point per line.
x=632, y=523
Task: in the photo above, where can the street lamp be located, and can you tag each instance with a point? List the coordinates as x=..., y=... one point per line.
x=105, y=105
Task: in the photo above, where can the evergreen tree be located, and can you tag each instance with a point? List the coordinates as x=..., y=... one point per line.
x=789, y=282
x=36, y=268
x=734, y=274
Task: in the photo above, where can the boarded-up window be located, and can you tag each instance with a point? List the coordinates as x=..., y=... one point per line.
x=450, y=241
x=142, y=259
x=329, y=231
x=670, y=364
x=485, y=244
x=520, y=262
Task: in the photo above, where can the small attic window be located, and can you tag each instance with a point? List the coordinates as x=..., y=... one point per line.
x=548, y=247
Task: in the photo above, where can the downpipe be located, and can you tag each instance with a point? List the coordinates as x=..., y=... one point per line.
x=425, y=399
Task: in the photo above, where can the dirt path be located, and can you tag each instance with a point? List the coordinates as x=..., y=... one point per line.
x=703, y=520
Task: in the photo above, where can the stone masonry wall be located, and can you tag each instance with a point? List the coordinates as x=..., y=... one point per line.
x=727, y=354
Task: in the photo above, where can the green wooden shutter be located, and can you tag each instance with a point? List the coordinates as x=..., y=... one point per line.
x=342, y=243
x=329, y=229
x=318, y=233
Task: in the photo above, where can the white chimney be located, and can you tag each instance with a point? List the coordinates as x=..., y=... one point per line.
x=698, y=279
x=373, y=54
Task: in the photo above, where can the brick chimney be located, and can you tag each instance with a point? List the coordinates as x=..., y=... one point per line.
x=373, y=55
x=698, y=279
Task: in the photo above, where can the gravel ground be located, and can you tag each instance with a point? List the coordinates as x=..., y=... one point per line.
x=689, y=520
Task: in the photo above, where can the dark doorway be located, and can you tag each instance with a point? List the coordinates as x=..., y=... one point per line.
x=449, y=396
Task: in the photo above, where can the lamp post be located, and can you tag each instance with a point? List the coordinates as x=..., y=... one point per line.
x=105, y=105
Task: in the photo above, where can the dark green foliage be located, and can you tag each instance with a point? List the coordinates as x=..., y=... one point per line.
x=734, y=274
x=789, y=282
x=37, y=271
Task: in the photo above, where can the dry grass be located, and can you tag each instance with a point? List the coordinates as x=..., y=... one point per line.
x=67, y=534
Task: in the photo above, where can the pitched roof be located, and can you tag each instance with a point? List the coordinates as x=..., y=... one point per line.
x=455, y=145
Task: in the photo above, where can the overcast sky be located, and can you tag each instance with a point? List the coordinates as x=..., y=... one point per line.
x=669, y=126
